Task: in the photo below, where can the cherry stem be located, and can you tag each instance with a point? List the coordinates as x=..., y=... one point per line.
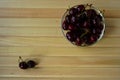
x=86, y=31
x=102, y=11
x=20, y=59
x=68, y=7
x=90, y=5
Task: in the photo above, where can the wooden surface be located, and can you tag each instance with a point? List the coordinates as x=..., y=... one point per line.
x=31, y=29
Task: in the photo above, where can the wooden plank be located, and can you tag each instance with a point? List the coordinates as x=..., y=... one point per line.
x=52, y=41
x=66, y=61
x=41, y=22
x=29, y=22
x=58, y=51
x=112, y=13
x=31, y=12
x=37, y=32
x=57, y=4
x=45, y=13
x=61, y=78
x=60, y=72
x=111, y=31
x=30, y=41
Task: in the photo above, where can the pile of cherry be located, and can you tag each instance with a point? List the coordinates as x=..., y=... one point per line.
x=83, y=25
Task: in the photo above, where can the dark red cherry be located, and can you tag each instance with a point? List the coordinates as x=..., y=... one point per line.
x=73, y=19
x=65, y=25
x=99, y=17
x=98, y=31
x=78, y=41
x=101, y=26
x=80, y=8
x=73, y=11
x=71, y=27
x=91, y=39
x=71, y=36
x=68, y=18
x=31, y=63
x=91, y=13
x=94, y=31
x=86, y=24
x=23, y=65
x=93, y=22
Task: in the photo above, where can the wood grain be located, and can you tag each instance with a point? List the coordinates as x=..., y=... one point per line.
x=58, y=51
x=60, y=72
x=52, y=41
x=66, y=61
x=60, y=78
x=45, y=13
x=57, y=4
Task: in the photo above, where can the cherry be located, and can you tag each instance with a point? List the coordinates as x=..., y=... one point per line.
x=23, y=65
x=98, y=31
x=71, y=27
x=31, y=63
x=65, y=25
x=101, y=26
x=93, y=22
x=91, y=39
x=68, y=18
x=71, y=36
x=91, y=13
x=73, y=19
x=99, y=17
x=78, y=41
x=86, y=24
x=80, y=8
x=93, y=31
x=73, y=11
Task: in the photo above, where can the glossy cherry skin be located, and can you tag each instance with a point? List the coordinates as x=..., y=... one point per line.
x=31, y=64
x=23, y=65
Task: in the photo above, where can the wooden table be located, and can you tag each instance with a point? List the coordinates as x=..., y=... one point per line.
x=31, y=29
